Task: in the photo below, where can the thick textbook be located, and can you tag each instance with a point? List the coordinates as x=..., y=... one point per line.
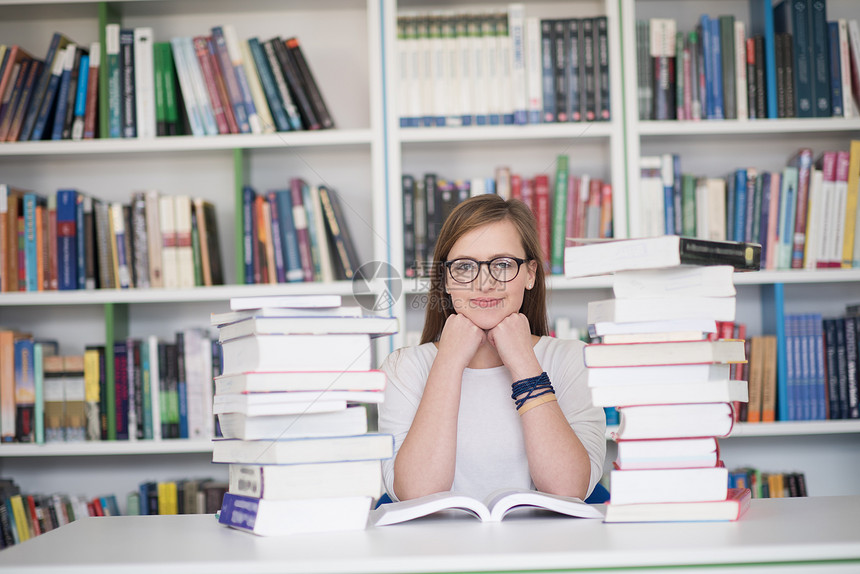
x=662, y=374
x=347, y=421
x=292, y=402
x=266, y=517
x=492, y=509
x=735, y=504
x=664, y=308
x=297, y=353
x=285, y=301
x=372, y=446
x=668, y=485
x=257, y=382
x=294, y=481
x=602, y=328
x=673, y=353
x=667, y=453
x=601, y=258
x=218, y=319
x=674, y=421
x=681, y=281
x=377, y=326
x=672, y=393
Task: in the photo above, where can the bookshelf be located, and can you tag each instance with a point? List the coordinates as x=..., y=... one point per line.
x=364, y=159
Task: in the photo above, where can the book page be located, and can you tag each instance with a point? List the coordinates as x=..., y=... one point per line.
x=503, y=501
x=395, y=512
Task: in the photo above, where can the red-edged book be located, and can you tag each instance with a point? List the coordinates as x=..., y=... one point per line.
x=737, y=502
x=541, y=210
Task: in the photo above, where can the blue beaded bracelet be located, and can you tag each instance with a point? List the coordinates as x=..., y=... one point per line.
x=530, y=388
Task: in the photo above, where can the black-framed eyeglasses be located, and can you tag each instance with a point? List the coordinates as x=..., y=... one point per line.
x=502, y=269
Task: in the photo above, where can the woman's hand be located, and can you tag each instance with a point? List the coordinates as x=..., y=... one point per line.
x=460, y=340
x=512, y=339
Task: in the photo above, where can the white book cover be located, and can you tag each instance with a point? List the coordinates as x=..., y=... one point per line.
x=404, y=72
x=184, y=249
x=681, y=281
x=517, y=65
x=716, y=208
x=303, y=481
x=827, y=163
x=225, y=318
x=505, y=59
x=662, y=308
x=814, y=220
x=533, y=71
x=197, y=349
x=465, y=69
x=602, y=328
x=438, y=70
x=741, y=97
x=283, y=381
x=674, y=421
x=192, y=107
x=144, y=82
x=702, y=203
x=661, y=374
x=261, y=105
x=291, y=402
x=231, y=39
x=668, y=485
x=285, y=301
x=297, y=353
x=198, y=86
x=672, y=353
x=376, y=326
x=652, y=214
x=348, y=421
x=169, y=258
x=493, y=75
x=840, y=199
x=480, y=104
x=454, y=115
x=153, y=238
x=667, y=393
x=425, y=70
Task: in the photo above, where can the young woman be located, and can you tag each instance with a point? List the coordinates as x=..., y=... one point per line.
x=488, y=400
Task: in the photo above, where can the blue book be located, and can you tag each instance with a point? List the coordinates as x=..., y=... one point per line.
x=81, y=98
x=787, y=210
x=836, y=103
x=817, y=389
x=708, y=62
x=41, y=102
x=819, y=59
x=31, y=228
x=67, y=245
x=739, y=231
x=248, y=234
x=63, y=92
x=267, y=81
x=181, y=385
x=81, y=240
x=547, y=71
x=794, y=17
x=716, y=81
x=773, y=322
x=277, y=238
x=289, y=239
x=762, y=24
x=765, y=215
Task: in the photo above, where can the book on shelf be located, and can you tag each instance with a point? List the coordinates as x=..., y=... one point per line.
x=283, y=381
x=667, y=453
x=494, y=508
x=668, y=485
x=371, y=446
x=651, y=421
x=603, y=257
x=304, y=424
x=306, y=481
x=272, y=517
x=732, y=508
x=673, y=353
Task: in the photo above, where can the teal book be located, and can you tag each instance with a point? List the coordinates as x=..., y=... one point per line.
x=787, y=211
x=114, y=87
x=773, y=323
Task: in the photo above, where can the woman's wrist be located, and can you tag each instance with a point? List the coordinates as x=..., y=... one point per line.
x=533, y=391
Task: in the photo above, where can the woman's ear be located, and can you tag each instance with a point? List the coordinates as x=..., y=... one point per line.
x=532, y=267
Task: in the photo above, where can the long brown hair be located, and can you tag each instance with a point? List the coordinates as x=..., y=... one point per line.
x=471, y=214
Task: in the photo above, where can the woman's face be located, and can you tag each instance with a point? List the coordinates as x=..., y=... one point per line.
x=486, y=301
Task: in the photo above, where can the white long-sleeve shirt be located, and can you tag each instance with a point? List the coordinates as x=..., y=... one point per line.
x=491, y=450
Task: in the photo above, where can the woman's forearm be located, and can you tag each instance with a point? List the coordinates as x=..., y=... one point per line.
x=426, y=459
x=558, y=461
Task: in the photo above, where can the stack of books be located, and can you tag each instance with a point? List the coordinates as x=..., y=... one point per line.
x=660, y=363
x=292, y=407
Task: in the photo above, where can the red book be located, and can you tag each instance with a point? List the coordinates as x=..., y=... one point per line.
x=516, y=186
x=802, y=160
x=570, y=223
x=98, y=510
x=300, y=220
x=201, y=48
x=92, y=92
x=221, y=84
x=33, y=516
x=528, y=193
x=606, y=210
x=542, y=213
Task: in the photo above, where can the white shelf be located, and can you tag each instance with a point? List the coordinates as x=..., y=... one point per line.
x=302, y=139
x=589, y=130
x=106, y=448
x=218, y=293
x=739, y=127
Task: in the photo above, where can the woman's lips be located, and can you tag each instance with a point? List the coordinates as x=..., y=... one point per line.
x=486, y=302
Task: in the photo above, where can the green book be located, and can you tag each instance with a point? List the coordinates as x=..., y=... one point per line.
x=114, y=99
x=559, y=217
x=688, y=205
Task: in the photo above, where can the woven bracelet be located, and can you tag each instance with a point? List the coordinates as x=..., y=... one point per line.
x=531, y=388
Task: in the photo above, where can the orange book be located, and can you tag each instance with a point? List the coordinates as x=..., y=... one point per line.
x=756, y=361
x=40, y=248
x=768, y=387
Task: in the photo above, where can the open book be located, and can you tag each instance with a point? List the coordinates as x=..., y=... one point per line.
x=493, y=509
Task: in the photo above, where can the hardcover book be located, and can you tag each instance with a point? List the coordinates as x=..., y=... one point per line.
x=266, y=517
x=736, y=503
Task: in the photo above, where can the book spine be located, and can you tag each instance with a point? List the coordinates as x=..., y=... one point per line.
x=601, y=47
x=559, y=216
x=80, y=108
x=192, y=109
x=803, y=162
x=248, y=235
x=819, y=60
x=267, y=82
x=127, y=87
x=727, y=65
x=300, y=220
x=201, y=51
x=561, y=54
x=294, y=81
x=834, y=54
x=290, y=241
x=277, y=234
x=289, y=104
x=548, y=71
x=236, y=58
x=144, y=82
x=66, y=242
x=44, y=91
x=80, y=261
x=65, y=86
x=228, y=72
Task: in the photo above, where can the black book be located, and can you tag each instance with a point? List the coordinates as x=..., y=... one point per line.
x=293, y=77
x=662, y=58
x=727, y=53
x=761, y=92
x=128, y=108
x=432, y=212
x=571, y=38
x=752, y=82
x=819, y=60
x=547, y=31
x=345, y=255
x=790, y=92
x=589, y=74
x=408, y=188
x=309, y=83
x=779, y=56
x=601, y=47
x=561, y=53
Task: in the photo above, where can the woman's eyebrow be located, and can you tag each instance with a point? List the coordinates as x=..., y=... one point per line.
x=490, y=258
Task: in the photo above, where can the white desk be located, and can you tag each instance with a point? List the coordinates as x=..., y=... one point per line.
x=795, y=535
